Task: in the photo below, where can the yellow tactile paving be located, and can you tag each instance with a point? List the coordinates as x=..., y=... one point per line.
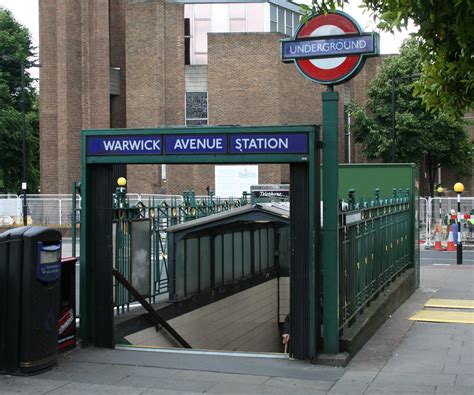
x=451, y=303
x=455, y=317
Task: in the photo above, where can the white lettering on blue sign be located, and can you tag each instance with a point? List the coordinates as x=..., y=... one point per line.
x=281, y=143
x=124, y=145
x=303, y=48
x=131, y=145
x=260, y=143
x=337, y=46
x=195, y=144
x=198, y=144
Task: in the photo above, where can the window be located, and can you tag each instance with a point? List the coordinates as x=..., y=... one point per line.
x=187, y=41
x=281, y=20
x=255, y=17
x=196, y=108
x=273, y=18
x=289, y=23
x=296, y=20
x=237, y=20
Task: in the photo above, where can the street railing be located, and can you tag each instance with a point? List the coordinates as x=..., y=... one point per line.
x=53, y=210
x=374, y=249
x=438, y=210
x=56, y=210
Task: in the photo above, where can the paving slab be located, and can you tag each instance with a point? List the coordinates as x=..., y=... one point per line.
x=399, y=388
x=155, y=391
x=210, y=363
x=222, y=377
x=30, y=385
x=355, y=382
x=416, y=379
x=441, y=390
x=86, y=388
x=294, y=384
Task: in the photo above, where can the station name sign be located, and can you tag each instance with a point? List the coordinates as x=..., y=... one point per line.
x=198, y=144
x=334, y=46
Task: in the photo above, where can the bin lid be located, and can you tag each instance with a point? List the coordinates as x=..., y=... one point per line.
x=43, y=233
x=14, y=233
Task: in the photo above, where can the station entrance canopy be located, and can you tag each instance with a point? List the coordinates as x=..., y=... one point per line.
x=296, y=145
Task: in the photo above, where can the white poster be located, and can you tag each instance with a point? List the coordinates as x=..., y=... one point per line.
x=231, y=181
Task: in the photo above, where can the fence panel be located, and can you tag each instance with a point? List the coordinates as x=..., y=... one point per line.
x=425, y=216
x=10, y=206
x=374, y=237
x=42, y=209
x=439, y=211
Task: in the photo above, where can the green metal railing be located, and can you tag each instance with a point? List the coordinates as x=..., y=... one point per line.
x=374, y=249
x=161, y=212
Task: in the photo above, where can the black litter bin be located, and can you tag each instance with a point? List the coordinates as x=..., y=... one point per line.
x=30, y=270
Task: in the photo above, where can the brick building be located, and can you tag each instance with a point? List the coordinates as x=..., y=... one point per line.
x=149, y=63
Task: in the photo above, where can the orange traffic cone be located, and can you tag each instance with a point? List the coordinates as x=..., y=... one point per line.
x=451, y=246
x=437, y=244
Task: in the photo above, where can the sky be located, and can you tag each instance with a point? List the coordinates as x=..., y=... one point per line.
x=26, y=12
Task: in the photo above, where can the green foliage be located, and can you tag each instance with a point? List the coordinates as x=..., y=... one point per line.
x=16, y=48
x=445, y=42
x=426, y=138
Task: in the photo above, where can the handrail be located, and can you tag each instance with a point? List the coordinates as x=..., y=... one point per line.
x=153, y=313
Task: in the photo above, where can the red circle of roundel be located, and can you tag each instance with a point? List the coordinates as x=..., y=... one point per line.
x=351, y=62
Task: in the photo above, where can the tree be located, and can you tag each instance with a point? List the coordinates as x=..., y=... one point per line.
x=426, y=138
x=445, y=40
x=16, y=48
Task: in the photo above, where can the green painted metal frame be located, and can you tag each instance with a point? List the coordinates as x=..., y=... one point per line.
x=330, y=232
x=86, y=274
x=375, y=248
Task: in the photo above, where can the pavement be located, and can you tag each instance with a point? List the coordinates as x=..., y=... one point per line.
x=403, y=357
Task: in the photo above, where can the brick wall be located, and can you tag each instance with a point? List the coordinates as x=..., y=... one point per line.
x=48, y=97
x=74, y=53
x=155, y=77
x=118, y=104
x=247, y=321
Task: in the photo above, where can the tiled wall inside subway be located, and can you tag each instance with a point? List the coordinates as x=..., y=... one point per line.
x=247, y=321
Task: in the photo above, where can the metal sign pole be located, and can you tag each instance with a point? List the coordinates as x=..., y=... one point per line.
x=330, y=234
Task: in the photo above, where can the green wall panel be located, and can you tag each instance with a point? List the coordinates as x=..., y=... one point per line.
x=218, y=259
x=192, y=265
x=364, y=178
x=205, y=262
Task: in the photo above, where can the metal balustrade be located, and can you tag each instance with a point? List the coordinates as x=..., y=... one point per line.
x=374, y=249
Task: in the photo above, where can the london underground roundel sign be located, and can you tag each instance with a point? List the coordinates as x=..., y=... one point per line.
x=330, y=49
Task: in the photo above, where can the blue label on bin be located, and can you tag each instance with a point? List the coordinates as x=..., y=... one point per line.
x=48, y=266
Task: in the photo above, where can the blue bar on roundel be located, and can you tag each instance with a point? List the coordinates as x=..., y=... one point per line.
x=328, y=47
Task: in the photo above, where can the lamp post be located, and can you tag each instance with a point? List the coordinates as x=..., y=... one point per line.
x=393, y=110
x=440, y=191
x=459, y=188
x=24, y=184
